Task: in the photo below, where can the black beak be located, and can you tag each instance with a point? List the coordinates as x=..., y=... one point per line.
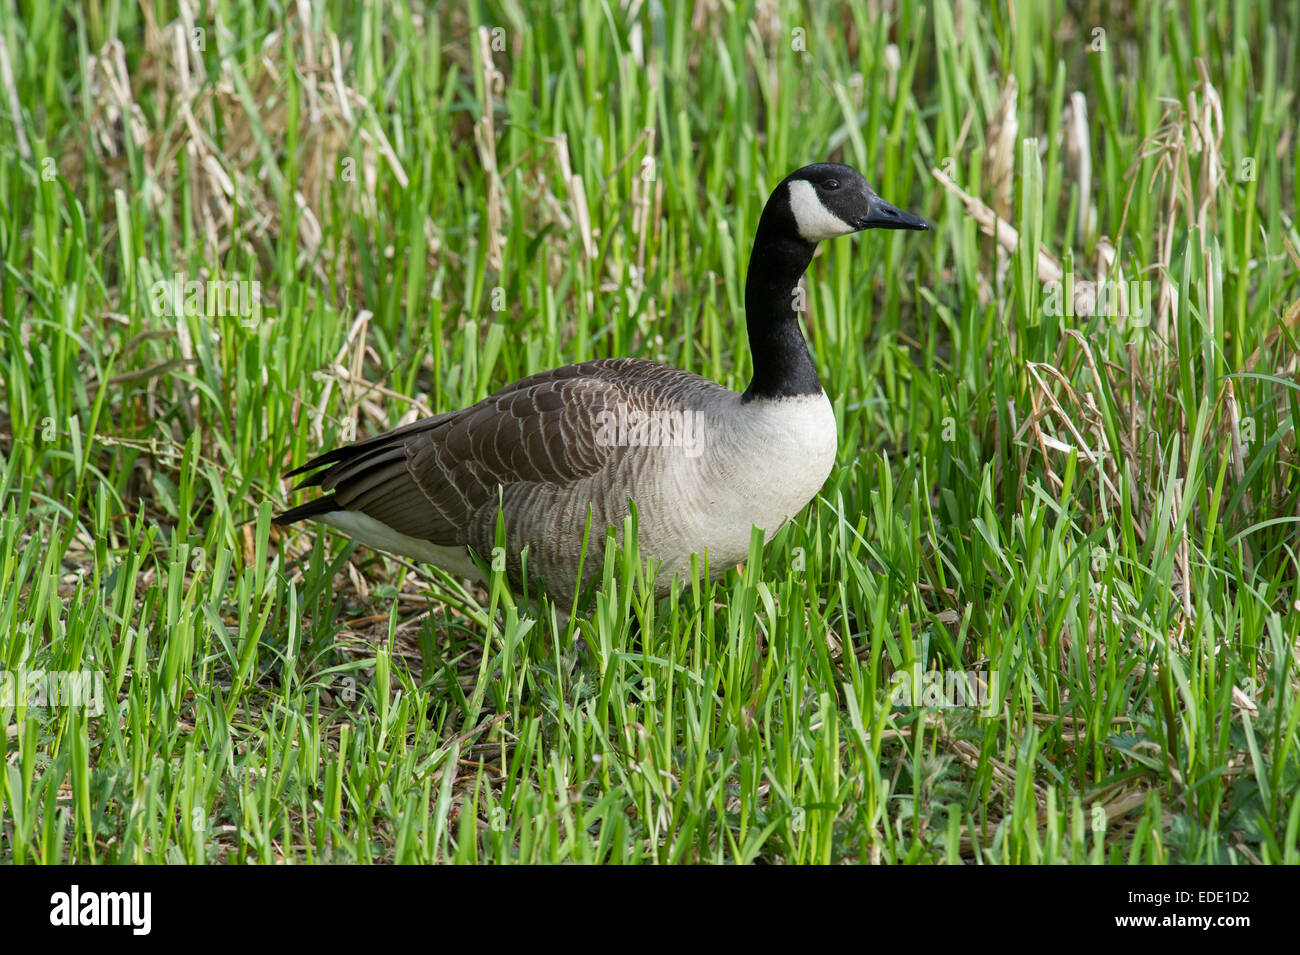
x=882, y=215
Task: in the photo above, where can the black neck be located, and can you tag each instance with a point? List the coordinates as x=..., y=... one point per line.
x=782, y=366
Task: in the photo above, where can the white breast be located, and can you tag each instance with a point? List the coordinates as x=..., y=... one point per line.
x=761, y=463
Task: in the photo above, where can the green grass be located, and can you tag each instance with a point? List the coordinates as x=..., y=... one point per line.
x=1101, y=512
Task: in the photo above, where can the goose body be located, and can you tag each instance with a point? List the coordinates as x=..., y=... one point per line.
x=703, y=464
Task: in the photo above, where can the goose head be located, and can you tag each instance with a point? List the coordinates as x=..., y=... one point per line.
x=827, y=200
x=822, y=201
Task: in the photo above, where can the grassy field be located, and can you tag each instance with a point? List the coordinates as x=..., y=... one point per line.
x=1083, y=497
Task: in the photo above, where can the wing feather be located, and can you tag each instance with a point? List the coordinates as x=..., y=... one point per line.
x=434, y=478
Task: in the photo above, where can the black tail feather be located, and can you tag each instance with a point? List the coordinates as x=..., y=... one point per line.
x=322, y=505
x=364, y=446
x=329, y=457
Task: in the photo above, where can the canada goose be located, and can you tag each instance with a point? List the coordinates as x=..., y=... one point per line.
x=702, y=463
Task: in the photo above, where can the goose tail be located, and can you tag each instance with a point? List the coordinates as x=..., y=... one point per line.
x=312, y=509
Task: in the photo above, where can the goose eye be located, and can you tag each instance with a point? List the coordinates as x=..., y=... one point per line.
x=831, y=184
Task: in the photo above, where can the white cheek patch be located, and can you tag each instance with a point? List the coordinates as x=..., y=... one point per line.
x=814, y=221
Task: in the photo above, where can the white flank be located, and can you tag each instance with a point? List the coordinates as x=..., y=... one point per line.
x=380, y=536
x=814, y=221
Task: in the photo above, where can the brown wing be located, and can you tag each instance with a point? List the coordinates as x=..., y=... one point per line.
x=429, y=479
